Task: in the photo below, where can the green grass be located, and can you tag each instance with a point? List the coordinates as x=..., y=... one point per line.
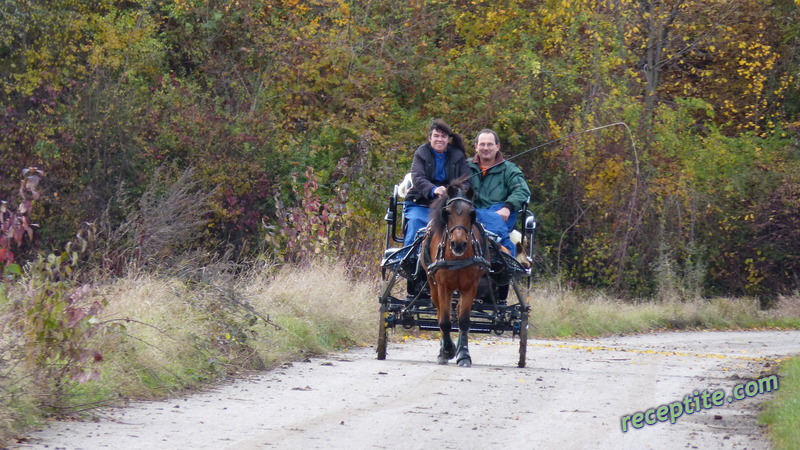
x=782, y=414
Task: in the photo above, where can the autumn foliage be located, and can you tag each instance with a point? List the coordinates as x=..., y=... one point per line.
x=296, y=117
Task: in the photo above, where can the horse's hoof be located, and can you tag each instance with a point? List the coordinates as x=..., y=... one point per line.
x=445, y=356
x=464, y=360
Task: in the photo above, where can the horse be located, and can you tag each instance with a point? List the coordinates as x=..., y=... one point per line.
x=454, y=255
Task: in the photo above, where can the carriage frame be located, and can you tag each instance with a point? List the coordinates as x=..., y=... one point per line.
x=495, y=311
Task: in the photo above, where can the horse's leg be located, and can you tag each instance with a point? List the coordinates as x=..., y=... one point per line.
x=464, y=310
x=441, y=300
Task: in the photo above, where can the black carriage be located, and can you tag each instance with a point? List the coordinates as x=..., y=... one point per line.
x=495, y=310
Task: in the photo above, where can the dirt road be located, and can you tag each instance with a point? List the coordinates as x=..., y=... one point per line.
x=572, y=395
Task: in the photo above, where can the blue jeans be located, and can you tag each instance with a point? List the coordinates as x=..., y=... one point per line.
x=416, y=217
x=494, y=223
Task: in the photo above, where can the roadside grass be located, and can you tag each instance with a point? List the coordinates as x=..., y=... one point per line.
x=315, y=310
x=182, y=333
x=560, y=312
x=18, y=408
x=168, y=333
x=782, y=414
x=165, y=334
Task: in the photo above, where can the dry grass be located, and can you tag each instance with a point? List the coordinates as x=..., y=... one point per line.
x=154, y=345
x=179, y=332
x=9, y=379
x=317, y=308
x=168, y=332
x=569, y=312
x=788, y=307
x=17, y=398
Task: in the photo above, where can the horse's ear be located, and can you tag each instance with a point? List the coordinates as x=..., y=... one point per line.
x=452, y=191
x=470, y=193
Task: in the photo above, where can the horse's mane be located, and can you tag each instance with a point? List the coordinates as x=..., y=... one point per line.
x=437, y=219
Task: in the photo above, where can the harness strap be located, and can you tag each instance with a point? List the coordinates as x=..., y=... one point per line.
x=456, y=264
x=481, y=248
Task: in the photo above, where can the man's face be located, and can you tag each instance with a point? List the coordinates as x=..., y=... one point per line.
x=486, y=147
x=438, y=141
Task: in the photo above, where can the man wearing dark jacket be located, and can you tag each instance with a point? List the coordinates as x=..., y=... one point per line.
x=500, y=188
x=436, y=163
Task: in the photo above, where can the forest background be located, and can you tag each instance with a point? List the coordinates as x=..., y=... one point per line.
x=149, y=130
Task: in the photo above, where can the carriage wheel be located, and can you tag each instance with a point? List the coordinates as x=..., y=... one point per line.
x=523, y=326
x=523, y=340
x=384, y=311
x=382, y=333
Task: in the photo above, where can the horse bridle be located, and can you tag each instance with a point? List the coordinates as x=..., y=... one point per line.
x=448, y=231
x=480, y=250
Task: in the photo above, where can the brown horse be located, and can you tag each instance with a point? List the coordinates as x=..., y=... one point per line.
x=454, y=255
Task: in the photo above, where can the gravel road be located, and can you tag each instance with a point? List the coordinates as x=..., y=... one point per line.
x=572, y=395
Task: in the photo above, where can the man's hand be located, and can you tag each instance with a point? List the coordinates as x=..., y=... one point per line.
x=504, y=213
x=441, y=190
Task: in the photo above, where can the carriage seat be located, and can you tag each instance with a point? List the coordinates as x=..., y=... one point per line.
x=526, y=219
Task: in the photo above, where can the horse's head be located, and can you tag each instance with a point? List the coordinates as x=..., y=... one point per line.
x=458, y=217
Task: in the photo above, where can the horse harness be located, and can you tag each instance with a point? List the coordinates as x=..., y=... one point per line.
x=479, y=248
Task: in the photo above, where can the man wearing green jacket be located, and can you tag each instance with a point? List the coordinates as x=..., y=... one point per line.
x=500, y=188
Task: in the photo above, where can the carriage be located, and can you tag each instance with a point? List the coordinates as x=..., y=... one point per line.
x=499, y=306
